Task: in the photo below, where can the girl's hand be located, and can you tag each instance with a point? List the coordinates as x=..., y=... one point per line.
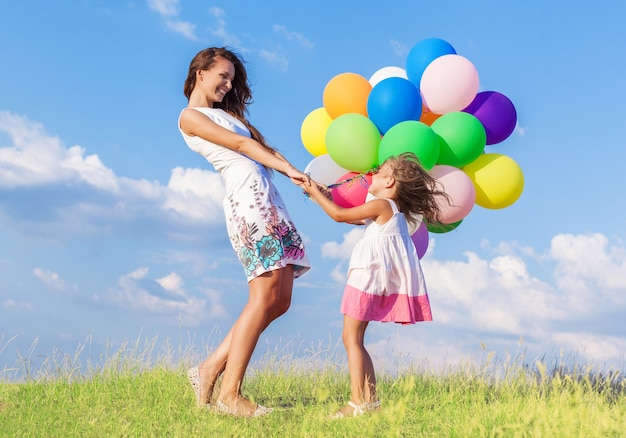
x=315, y=189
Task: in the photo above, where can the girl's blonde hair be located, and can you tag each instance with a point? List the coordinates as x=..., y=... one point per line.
x=417, y=192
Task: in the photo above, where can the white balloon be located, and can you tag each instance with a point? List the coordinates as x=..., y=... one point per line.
x=387, y=72
x=324, y=170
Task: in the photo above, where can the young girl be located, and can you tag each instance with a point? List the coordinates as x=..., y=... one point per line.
x=385, y=281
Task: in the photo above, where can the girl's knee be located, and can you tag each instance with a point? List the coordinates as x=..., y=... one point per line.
x=350, y=341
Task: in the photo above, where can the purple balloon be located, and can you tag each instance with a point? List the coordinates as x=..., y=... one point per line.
x=497, y=114
x=420, y=239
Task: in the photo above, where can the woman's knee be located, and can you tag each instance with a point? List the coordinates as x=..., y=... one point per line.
x=280, y=306
x=271, y=294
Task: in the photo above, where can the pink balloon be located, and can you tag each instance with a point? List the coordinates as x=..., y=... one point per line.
x=420, y=239
x=449, y=83
x=459, y=188
x=351, y=193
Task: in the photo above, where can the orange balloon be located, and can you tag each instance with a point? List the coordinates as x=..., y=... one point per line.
x=346, y=93
x=427, y=116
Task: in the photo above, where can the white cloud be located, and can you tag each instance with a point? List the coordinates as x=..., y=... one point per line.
x=137, y=293
x=595, y=266
x=498, y=298
x=76, y=194
x=173, y=284
x=169, y=10
x=219, y=29
x=50, y=279
x=36, y=158
x=342, y=250
x=293, y=36
x=275, y=59
x=11, y=304
x=217, y=12
x=195, y=193
x=400, y=49
x=185, y=28
x=599, y=348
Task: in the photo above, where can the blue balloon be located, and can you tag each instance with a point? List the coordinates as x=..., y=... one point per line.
x=422, y=54
x=393, y=100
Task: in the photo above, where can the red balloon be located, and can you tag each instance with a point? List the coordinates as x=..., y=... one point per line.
x=351, y=189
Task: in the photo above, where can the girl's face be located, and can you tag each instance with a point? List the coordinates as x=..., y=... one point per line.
x=381, y=179
x=216, y=81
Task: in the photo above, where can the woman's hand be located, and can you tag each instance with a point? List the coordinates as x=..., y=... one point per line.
x=297, y=177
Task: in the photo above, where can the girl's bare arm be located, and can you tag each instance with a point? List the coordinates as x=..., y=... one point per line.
x=378, y=210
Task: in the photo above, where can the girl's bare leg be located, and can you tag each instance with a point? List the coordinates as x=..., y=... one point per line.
x=270, y=297
x=362, y=375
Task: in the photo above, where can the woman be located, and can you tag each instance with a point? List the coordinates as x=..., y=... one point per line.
x=259, y=226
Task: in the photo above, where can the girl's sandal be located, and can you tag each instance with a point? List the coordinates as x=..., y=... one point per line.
x=194, y=379
x=222, y=408
x=359, y=409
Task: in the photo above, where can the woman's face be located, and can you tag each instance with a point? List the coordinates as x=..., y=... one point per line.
x=217, y=80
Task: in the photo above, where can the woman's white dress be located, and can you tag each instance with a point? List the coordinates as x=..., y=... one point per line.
x=258, y=223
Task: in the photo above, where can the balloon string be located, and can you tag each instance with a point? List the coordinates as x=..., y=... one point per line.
x=360, y=178
x=350, y=181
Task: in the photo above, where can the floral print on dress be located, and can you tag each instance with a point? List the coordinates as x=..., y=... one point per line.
x=263, y=250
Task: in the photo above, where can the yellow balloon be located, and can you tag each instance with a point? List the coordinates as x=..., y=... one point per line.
x=313, y=131
x=498, y=180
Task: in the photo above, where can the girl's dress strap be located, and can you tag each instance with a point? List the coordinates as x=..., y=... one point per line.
x=394, y=207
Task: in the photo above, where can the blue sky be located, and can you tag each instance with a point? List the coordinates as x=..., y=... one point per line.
x=111, y=228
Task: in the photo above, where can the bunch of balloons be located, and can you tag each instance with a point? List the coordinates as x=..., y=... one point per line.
x=432, y=108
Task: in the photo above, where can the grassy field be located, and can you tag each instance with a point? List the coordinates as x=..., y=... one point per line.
x=133, y=395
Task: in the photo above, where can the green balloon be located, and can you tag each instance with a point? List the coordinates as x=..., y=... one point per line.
x=352, y=142
x=410, y=136
x=442, y=228
x=462, y=138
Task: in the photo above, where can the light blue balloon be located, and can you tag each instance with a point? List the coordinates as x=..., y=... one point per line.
x=422, y=54
x=393, y=100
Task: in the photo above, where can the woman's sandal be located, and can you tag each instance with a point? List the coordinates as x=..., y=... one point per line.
x=193, y=375
x=222, y=408
x=359, y=409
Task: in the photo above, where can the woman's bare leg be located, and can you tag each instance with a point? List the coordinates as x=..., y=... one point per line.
x=214, y=365
x=270, y=297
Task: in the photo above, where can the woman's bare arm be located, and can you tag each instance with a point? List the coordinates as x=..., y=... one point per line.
x=194, y=123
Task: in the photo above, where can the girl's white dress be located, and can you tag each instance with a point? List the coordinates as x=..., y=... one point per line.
x=385, y=279
x=258, y=223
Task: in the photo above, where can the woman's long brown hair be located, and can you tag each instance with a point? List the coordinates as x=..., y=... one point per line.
x=236, y=101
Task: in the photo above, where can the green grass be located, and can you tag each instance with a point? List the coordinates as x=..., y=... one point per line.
x=136, y=393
